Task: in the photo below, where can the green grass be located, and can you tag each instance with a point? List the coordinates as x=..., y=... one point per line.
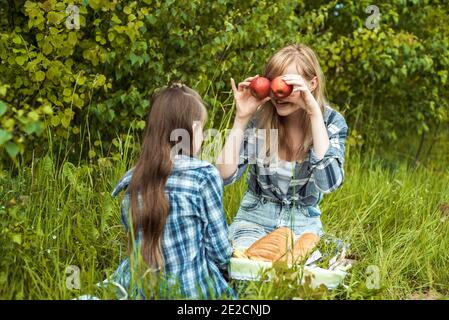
x=55, y=216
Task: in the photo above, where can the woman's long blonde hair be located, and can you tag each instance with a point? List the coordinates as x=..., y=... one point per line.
x=309, y=67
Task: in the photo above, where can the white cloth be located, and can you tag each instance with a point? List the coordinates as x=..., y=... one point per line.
x=285, y=171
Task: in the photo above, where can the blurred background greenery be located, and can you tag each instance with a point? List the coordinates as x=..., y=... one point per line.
x=87, y=87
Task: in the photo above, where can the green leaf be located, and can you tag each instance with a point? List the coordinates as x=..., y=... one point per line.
x=77, y=101
x=30, y=127
x=111, y=36
x=53, y=73
x=131, y=17
x=72, y=39
x=3, y=108
x=33, y=115
x=55, y=17
x=20, y=60
x=17, y=39
x=229, y=26
x=116, y=19
x=34, y=127
x=16, y=238
x=151, y=19
x=100, y=81
x=91, y=154
x=133, y=58
x=55, y=120
x=140, y=124
x=47, y=48
x=3, y=90
x=12, y=149
x=4, y=136
x=67, y=92
x=65, y=120
x=81, y=81
x=40, y=75
x=47, y=109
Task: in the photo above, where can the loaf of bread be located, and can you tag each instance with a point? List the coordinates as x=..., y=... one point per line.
x=273, y=246
x=239, y=254
x=303, y=247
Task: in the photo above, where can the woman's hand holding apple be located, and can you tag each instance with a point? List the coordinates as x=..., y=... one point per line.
x=246, y=102
x=301, y=94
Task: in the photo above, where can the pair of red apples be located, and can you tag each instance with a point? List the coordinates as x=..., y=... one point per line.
x=261, y=86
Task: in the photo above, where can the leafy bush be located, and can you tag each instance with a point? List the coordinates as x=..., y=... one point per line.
x=89, y=86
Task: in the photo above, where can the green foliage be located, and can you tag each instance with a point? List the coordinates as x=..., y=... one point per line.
x=390, y=81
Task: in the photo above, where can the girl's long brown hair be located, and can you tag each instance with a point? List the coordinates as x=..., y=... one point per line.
x=309, y=67
x=175, y=107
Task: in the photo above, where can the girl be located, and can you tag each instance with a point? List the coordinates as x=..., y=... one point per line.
x=310, y=154
x=176, y=203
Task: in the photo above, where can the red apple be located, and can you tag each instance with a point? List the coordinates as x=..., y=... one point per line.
x=260, y=87
x=280, y=88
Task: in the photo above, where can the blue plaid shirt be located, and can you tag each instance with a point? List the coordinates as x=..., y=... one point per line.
x=311, y=178
x=195, y=242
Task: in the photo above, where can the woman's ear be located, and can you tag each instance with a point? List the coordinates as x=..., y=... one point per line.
x=313, y=84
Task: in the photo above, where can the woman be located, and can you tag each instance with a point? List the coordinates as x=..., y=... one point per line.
x=308, y=159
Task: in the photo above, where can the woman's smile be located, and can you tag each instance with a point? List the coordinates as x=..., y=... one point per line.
x=284, y=107
x=281, y=103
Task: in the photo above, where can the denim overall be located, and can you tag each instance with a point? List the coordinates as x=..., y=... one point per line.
x=259, y=215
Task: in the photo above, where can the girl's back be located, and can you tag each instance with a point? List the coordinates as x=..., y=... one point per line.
x=195, y=242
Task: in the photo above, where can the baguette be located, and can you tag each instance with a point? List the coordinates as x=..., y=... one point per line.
x=239, y=254
x=303, y=246
x=272, y=246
